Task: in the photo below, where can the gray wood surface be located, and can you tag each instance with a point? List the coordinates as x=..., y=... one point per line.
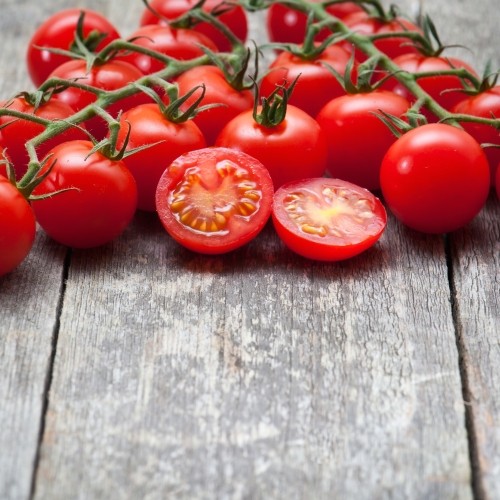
x=140, y=370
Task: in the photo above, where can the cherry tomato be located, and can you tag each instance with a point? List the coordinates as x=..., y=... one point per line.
x=167, y=140
x=444, y=89
x=179, y=44
x=435, y=178
x=58, y=31
x=327, y=219
x=485, y=105
x=287, y=25
x=395, y=46
x=217, y=91
x=316, y=84
x=347, y=118
x=111, y=75
x=17, y=227
x=214, y=200
x=99, y=203
x=294, y=149
x=16, y=132
x=234, y=18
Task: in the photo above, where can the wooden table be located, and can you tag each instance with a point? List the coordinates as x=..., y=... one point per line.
x=142, y=371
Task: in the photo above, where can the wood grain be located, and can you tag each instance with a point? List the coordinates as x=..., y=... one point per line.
x=257, y=374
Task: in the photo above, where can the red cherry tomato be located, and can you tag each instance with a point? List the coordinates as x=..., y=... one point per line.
x=287, y=25
x=435, y=178
x=58, y=31
x=99, y=203
x=217, y=91
x=111, y=75
x=327, y=219
x=394, y=46
x=16, y=132
x=444, y=89
x=316, y=84
x=179, y=44
x=234, y=17
x=167, y=140
x=17, y=227
x=485, y=105
x=294, y=149
x=347, y=118
x=214, y=200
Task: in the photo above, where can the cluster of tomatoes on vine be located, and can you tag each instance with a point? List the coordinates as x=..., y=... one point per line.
x=169, y=121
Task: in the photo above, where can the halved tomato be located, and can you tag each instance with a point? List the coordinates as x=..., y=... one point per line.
x=214, y=200
x=327, y=219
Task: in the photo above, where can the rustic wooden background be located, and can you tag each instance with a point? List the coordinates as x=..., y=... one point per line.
x=142, y=371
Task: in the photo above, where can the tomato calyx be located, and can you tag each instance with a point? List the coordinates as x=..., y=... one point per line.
x=273, y=107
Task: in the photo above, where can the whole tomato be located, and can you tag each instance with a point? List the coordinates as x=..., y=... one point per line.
x=147, y=125
x=181, y=44
x=291, y=150
x=393, y=46
x=58, y=31
x=17, y=227
x=347, y=118
x=234, y=17
x=218, y=90
x=16, y=132
x=92, y=198
x=444, y=89
x=316, y=84
x=486, y=104
x=111, y=75
x=435, y=178
x=288, y=25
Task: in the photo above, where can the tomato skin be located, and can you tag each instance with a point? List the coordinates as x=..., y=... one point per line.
x=316, y=85
x=347, y=118
x=181, y=44
x=211, y=191
x=15, y=132
x=435, y=178
x=17, y=227
x=294, y=149
x=485, y=105
x=235, y=18
x=109, y=76
x=217, y=91
x=58, y=31
x=287, y=25
x=344, y=236
x=436, y=86
x=98, y=209
x=393, y=47
x=149, y=126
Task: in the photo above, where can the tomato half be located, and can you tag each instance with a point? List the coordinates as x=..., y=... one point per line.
x=58, y=31
x=17, y=227
x=327, y=219
x=234, y=17
x=214, y=200
x=435, y=178
x=100, y=200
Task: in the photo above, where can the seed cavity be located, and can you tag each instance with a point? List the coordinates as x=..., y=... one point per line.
x=205, y=201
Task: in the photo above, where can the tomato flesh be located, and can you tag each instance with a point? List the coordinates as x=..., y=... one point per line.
x=327, y=219
x=214, y=200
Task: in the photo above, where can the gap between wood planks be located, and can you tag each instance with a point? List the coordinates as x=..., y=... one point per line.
x=476, y=478
x=477, y=484
x=50, y=371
